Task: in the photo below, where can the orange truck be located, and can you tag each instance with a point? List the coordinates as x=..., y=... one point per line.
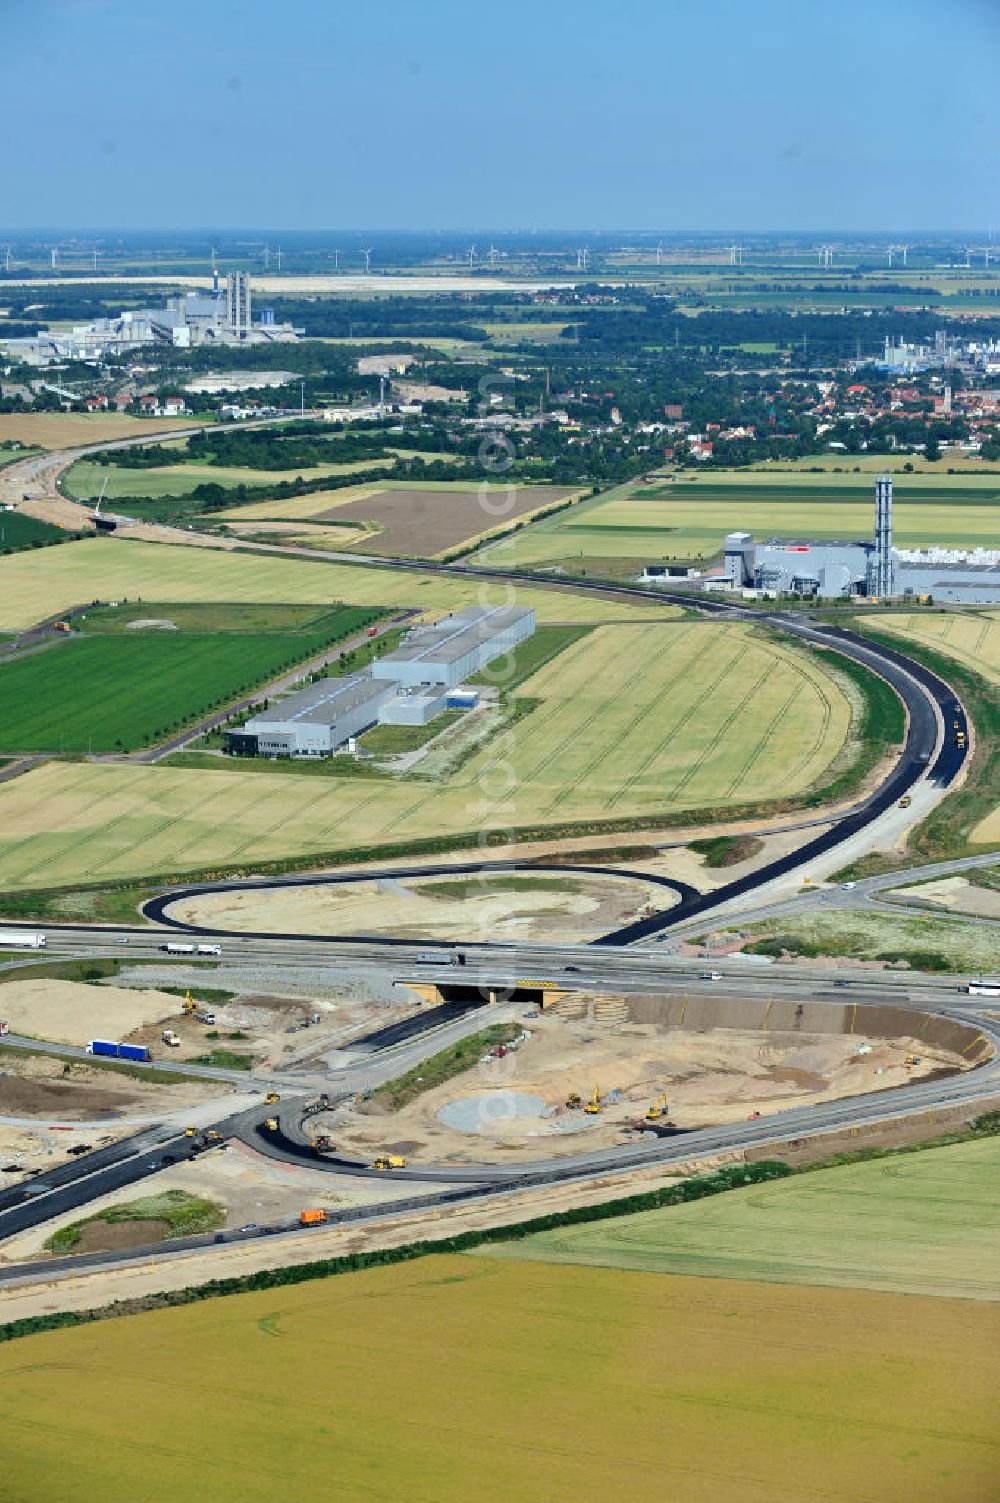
x=312, y=1218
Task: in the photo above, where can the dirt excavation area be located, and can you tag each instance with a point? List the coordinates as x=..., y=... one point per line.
x=612, y=1052
x=490, y=906
x=248, y=1188
x=72, y=1012
x=954, y=894
x=229, y=1016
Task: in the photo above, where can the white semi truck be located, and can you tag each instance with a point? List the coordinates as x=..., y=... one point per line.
x=23, y=939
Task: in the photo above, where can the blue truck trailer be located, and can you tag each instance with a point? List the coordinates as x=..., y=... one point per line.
x=115, y=1050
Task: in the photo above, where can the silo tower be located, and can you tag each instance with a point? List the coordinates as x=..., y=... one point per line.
x=883, y=580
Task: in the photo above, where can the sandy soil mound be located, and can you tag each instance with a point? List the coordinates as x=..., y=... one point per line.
x=71, y=1012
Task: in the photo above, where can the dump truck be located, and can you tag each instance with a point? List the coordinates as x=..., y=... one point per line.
x=271, y=1123
x=168, y=1036
x=313, y=1217
x=113, y=1050
x=272, y=1098
x=389, y=1161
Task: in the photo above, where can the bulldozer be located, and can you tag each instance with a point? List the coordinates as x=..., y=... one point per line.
x=389, y=1161
x=594, y=1104
x=574, y=1101
x=658, y=1108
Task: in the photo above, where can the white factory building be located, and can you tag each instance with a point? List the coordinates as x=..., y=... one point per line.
x=221, y=316
x=410, y=686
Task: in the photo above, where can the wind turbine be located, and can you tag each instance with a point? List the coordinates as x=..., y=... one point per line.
x=736, y=254
x=368, y=258
x=582, y=257
x=54, y=256
x=659, y=253
x=336, y=260
x=277, y=257
x=472, y=256
x=491, y=254
x=6, y=258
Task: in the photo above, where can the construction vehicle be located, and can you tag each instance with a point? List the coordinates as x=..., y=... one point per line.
x=312, y=1218
x=168, y=1036
x=659, y=1108
x=189, y=1132
x=272, y=1098
x=905, y=801
x=389, y=1161
x=208, y=1018
x=960, y=739
x=594, y=1104
x=271, y=1123
x=213, y=1135
x=913, y=1059
x=61, y=626
x=574, y=1101
x=322, y=1143
x=189, y=1005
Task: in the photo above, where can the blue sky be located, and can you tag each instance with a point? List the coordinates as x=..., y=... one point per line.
x=412, y=114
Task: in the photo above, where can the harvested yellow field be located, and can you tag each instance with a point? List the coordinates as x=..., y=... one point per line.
x=972, y=639
x=632, y=720
x=459, y=1378
x=37, y=584
x=70, y=1012
x=66, y=430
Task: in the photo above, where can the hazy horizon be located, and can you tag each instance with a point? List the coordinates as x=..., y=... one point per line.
x=397, y=118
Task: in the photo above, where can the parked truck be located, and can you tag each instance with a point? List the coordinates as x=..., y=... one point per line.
x=312, y=1218
x=208, y=949
x=177, y=947
x=22, y=939
x=441, y=957
x=114, y=1050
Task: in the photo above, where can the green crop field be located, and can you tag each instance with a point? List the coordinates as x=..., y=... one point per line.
x=458, y=1378
x=688, y=519
x=917, y=1223
x=627, y=721
x=43, y=582
x=19, y=531
x=87, y=479
x=108, y=692
x=973, y=639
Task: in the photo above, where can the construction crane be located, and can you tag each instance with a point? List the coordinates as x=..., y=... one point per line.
x=594, y=1104
x=659, y=1108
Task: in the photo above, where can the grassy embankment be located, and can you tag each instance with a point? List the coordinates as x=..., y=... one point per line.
x=175, y=1213
x=454, y=1060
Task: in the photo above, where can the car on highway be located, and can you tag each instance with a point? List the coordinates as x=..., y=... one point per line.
x=848, y=886
x=709, y=975
x=841, y=982
x=249, y=1226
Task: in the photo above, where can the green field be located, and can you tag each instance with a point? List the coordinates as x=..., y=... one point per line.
x=18, y=531
x=912, y=1223
x=44, y=582
x=458, y=1378
x=110, y=692
x=87, y=479
x=628, y=721
x=931, y=943
x=688, y=518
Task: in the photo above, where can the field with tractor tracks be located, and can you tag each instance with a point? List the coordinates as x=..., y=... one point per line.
x=626, y=721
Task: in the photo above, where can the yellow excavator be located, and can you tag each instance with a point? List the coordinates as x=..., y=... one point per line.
x=594, y=1104
x=190, y=1005
x=659, y=1108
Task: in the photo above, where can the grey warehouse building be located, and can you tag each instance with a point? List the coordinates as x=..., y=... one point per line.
x=447, y=652
x=314, y=721
x=407, y=687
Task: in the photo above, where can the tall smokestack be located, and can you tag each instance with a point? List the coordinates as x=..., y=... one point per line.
x=883, y=580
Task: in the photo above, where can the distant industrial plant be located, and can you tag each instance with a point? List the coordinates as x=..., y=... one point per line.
x=223, y=316
x=876, y=570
